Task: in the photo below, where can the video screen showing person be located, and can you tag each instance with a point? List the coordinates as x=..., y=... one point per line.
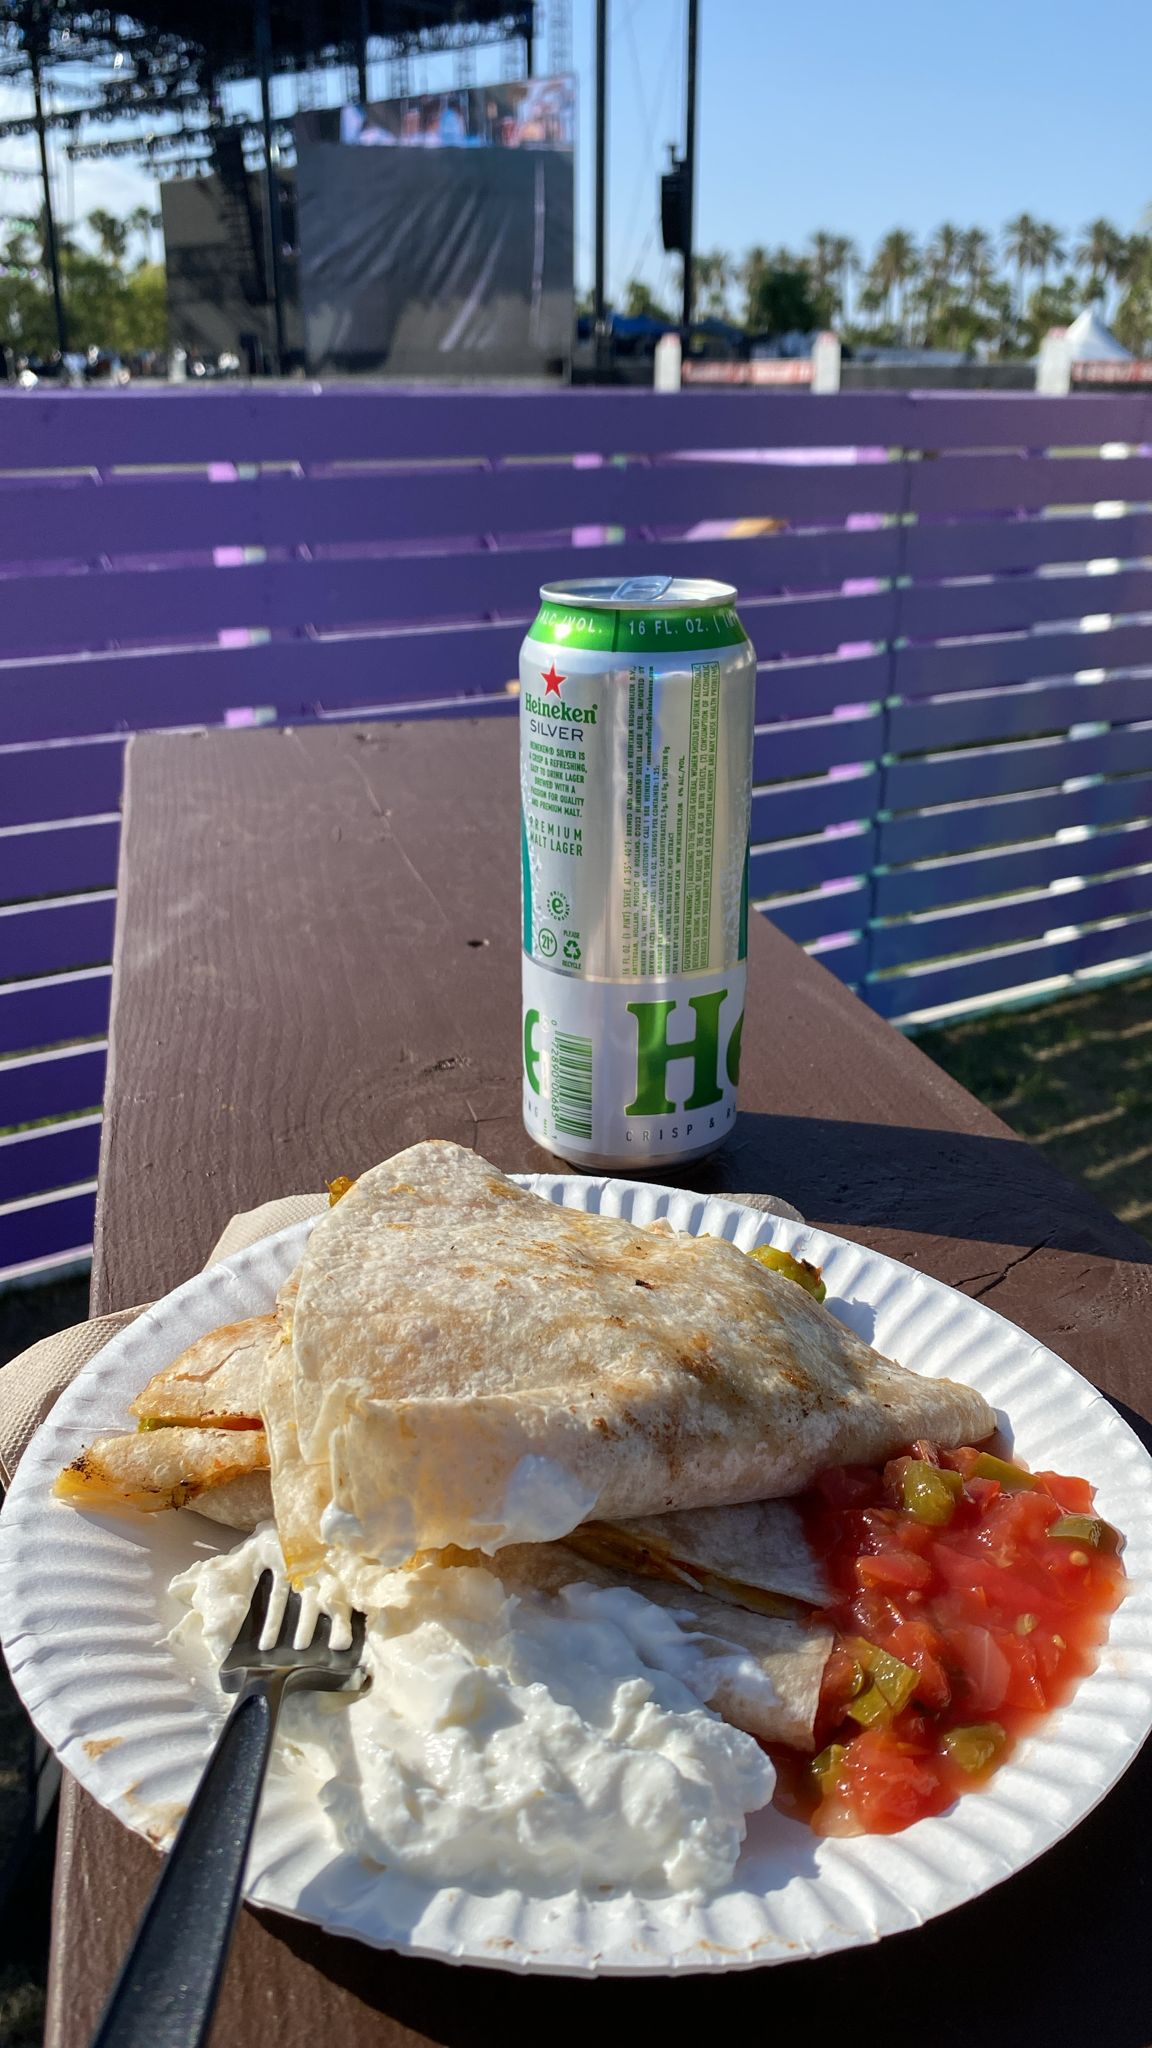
x=524, y=113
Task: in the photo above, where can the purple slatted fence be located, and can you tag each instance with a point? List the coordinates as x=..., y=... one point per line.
x=950, y=598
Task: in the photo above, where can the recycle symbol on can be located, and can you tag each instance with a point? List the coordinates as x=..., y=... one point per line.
x=572, y=951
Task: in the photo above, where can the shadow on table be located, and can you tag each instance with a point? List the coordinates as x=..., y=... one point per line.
x=951, y=1184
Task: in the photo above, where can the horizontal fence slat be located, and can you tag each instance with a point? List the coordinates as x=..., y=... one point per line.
x=989, y=546
x=35, y=1161
x=1008, y=603
x=816, y=624
x=1007, y=770
x=61, y=1225
x=52, y=1084
x=1002, y=870
x=970, y=980
x=36, y=1013
x=1003, y=923
x=786, y=870
x=1012, y=714
x=85, y=519
x=85, y=608
x=1024, y=657
x=91, y=608
x=59, y=860
x=101, y=429
x=925, y=835
x=294, y=678
x=806, y=807
x=814, y=917
x=966, y=483
x=47, y=938
x=804, y=689
x=786, y=751
x=46, y=782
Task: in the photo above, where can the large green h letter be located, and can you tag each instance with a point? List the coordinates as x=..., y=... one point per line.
x=654, y=1053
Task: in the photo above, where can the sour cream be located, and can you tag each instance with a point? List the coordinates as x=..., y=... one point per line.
x=546, y=1744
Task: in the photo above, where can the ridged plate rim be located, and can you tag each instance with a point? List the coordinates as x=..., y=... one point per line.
x=83, y=1607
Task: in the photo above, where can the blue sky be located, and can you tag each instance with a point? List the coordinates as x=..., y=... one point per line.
x=832, y=114
x=859, y=117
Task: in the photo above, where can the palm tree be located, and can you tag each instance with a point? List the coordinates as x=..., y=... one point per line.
x=1100, y=254
x=750, y=272
x=974, y=262
x=821, y=260
x=640, y=302
x=1019, y=242
x=944, y=250
x=894, y=267
x=1049, y=248
x=112, y=235
x=845, y=263
x=713, y=277
x=144, y=222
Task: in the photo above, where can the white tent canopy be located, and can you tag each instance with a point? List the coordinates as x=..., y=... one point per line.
x=1089, y=341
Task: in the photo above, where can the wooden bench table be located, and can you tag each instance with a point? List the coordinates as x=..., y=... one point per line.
x=316, y=964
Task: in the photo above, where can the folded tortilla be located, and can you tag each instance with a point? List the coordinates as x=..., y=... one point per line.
x=745, y=1648
x=755, y=1554
x=222, y=1472
x=215, y=1384
x=474, y=1365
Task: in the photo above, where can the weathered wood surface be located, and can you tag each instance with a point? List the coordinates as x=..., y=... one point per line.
x=316, y=964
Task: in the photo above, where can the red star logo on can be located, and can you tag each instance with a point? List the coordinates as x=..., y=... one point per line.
x=551, y=681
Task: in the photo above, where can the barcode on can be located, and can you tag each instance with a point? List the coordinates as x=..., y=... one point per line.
x=572, y=1085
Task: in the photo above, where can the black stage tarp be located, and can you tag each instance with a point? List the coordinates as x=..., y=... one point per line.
x=435, y=262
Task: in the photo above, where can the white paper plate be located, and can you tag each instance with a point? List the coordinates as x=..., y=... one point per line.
x=84, y=1609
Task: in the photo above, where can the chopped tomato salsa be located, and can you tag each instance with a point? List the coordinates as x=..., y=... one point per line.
x=969, y=1595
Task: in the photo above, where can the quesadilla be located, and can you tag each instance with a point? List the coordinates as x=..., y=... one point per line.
x=223, y=1473
x=201, y=1439
x=767, y=1671
x=215, y=1384
x=475, y=1366
x=755, y=1554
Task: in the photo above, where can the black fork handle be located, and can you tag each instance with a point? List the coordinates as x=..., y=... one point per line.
x=166, y=1992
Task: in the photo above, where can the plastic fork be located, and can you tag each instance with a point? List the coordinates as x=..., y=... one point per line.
x=166, y=1992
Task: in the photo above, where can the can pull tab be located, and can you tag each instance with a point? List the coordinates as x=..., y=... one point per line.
x=641, y=589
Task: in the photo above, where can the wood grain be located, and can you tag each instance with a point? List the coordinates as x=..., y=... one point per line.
x=317, y=963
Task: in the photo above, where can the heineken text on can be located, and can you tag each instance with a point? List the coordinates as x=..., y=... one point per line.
x=636, y=724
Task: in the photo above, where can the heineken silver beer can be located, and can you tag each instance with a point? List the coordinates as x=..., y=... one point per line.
x=636, y=724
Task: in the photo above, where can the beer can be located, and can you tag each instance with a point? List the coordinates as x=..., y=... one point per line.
x=636, y=725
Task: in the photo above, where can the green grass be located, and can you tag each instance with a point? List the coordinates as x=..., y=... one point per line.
x=1075, y=1077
